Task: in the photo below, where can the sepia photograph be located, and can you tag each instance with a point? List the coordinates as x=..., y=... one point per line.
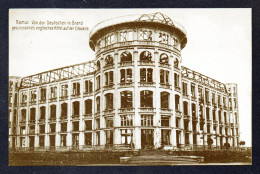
x=130, y=87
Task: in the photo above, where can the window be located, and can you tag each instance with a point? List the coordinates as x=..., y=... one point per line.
x=176, y=63
x=200, y=94
x=176, y=80
x=88, y=138
x=76, y=108
x=76, y=89
x=88, y=125
x=177, y=102
x=43, y=94
x=165, y=100
x=41, y=141
x=24, y=97
x=193, y=107
x=146, y=56
x=207, y=95
x=98, y=103
x=126, y=99
x=109, y=60
x=185, y=108
x=109, y=122
x=63, y=127
x=146, y=75
x=214, y=114
x=164, y=58
x=52, y=140
x=75, y=126
x=63, y=140
x=207, y=113
x=126, y=135
x=193, y=92
x=88, y=106
x=109, y=101
x=146, y=120
x=201, y=112
x=145, y=35
x=97, y=123
x=109, y=78
x=164, y=76
x=98, y=82
x=177, y=122
x=165, y=121
x=88, y=86
x=64, y=90
x=166, y=137
x=208, y=128
x=126, y=75
x=53, y=92
x=186, y=125
x=213, y=98
x=163, y=38
x=22, y=130
x=225, y=117
x=176, y=42
x=42, y=129
x=185, y=88
x=219, y=116
x=146, y=98
x=53, y=111
x=52, y=128
x=109, y=137
x=64, y=109
x=109, y=39
x=33, y=95
x=98, y=65
x=23, y=113
x=126, y=120
x=126, y=57
x=32, y=114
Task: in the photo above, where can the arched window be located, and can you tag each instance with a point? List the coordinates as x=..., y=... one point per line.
x=88, y=106
x=146, y=98
x=64, y=109
x=109, y=101
x=126, y=99
x=146, y=56
x=126, y=57
x=32, y=114
x=42, y=112
x=109, y=60
x=176, y=63
x=177, y=102
x=76, y=108
x=165, y=100
x=98, y=65
x=164, y=58
x=53, y=111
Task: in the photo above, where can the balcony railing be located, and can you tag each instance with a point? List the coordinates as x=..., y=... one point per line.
x=97, y=90
x=126, y=63
x=209, y=121
x=42, y=101
x=226, y=124
x=52, y=119
x=193, y=98
x=194, y=118
x=146, y=109
x=177, y=69
x=53, y=99
x=146, y=63
x=109, y=86
x=22, y=122
x=165, y=85
x=90, y=93
x=63, y=98
x=215, y=122
x=201, y=100
x=108, y=111
x=32, y=122
x=87, y=115
x=225, y=107
x=177, y=89
x=75, y=117
x=147, y=84
x=207, y=102
x=178, y=113
x=75, y=95
x=23, y=104
x=185, y=96
x=166, y=110
x=125, y=110
x=164, y=65
x=126, y=84
x=32, y=102
x=106, y=67
x=63, y=118
x=42, y=120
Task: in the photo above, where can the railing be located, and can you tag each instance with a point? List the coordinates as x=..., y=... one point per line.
x=225, y=107
x=147, y=84
x=207, y=102
x=23, y=104
x=108, y=87
x=90, y=93
x=97, y=71
x=125, y=63
x=177, y=89
x=87, y=116
x=164, y=65
x=178, y=113
x=42, y=120
x=63, y=118
x=208, y=121
x=126, y=84
x=42, y=101
x=124, y=110
x=165, y=85
x=53, y=99
x=63, y=98
x=185, y=96
x=109, y=111
x=146, y=109
x=201, y=100
x=166, y=110
x=32, y=102
x=226, y=124
x=75, y=95
x=193, y=98
x=52, y=119
x=75, y=117
x=177, y=69
x=106, y=67
x=194, y=118
x=146, y=63
x=98, y=90
x=32, y=122
x=215, y=122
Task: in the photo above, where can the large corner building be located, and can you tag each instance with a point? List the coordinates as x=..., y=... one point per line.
x=135, y=93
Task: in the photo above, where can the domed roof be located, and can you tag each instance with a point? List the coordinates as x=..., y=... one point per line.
x=150, y=18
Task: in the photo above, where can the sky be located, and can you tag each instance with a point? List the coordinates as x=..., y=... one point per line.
x=219, y=45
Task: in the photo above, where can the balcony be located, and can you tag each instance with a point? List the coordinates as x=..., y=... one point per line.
x=186, y=96
x=209, y=121
x=177, y=89
x=194, y=118
x=32, y=131
x=226, y=124
x=85, y=116
x=97, y=90
x=214, y=105
x=221, y=123
x=177, y=69
x=108, y=87
x=63, y=118
x=42, y=101
x=232, y=125
x=125, y=110
x=147, y=84
x=86, y=94
x=201, y=100
x=146, y=63
x=97, y=71
x=220, y=106
x=54, y=99
x=41, y=120
x=75, y=95
x=225, y=107
x=186, y=117
x=32, y=122
x=166, y=110
x=164, y=65
x=126, y=63
x=52, y=119
x=146, y=109
x=215, y=122
x=126, y=84
x=62, y=98
x=23, y=104
x=33, y=102
x=108, y=111
x=165, y=85
x=106, y=67
x=193, y=98
x=75, y=117
x=178, y=113
x=22, y=122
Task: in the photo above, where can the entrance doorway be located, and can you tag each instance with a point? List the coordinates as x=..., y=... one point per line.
x=147, y=138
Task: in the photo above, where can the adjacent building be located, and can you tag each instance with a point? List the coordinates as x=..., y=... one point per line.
x=135, y=93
